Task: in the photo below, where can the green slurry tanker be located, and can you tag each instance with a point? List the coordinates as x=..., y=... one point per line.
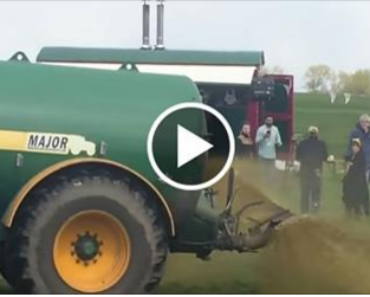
x=82, y=209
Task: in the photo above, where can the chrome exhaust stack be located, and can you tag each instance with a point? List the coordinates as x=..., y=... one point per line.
x=146, y=27
x=160, y=26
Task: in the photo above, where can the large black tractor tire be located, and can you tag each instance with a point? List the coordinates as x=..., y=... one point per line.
x=2, y=257
x=91, y=233
x=3, y=271
x=2, y=260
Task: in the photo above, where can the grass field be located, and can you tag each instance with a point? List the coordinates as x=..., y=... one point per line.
x=236, y=273
x=334, y=120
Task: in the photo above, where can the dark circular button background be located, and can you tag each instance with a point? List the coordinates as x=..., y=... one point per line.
x=204, y=167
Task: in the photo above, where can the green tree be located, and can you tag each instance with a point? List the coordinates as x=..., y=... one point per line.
x=359, y=83
x=317, y=77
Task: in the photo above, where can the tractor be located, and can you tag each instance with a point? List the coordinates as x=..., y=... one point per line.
x=82, y=209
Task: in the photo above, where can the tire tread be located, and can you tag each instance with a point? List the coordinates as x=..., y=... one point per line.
x=18, y=264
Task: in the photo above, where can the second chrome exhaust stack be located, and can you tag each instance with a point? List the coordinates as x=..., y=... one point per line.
x=160, y=26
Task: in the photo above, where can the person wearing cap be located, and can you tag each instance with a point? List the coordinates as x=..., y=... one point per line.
x=267, y=140
x=355, y=190
x=362, y=132
x=311, y=153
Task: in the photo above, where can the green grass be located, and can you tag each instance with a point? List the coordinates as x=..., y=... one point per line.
x=335, y=121
x=235, y=273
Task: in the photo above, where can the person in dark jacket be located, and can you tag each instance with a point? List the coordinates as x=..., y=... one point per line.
x=245, y=142
x=362, y=132
x=355, y=189
x=311, y=153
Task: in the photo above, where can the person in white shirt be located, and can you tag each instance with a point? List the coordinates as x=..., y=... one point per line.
x=267, y=140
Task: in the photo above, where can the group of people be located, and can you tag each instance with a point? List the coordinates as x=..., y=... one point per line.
x=311, y=154
x=265, y=144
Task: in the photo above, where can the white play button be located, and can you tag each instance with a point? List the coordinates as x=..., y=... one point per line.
x=189, y=146
x=176, y=147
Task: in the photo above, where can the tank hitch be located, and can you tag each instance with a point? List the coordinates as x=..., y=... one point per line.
x=258, y=233
x=257, y=236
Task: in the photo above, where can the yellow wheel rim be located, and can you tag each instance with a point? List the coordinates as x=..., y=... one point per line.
x=92, y=251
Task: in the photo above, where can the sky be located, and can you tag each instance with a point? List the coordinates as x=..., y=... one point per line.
x=293, y=34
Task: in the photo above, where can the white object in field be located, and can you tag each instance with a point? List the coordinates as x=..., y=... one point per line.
x=325, y=87
x=331, y=158
x=333, y=96
x=296, y=166
x=280, y=165
x=347, y=98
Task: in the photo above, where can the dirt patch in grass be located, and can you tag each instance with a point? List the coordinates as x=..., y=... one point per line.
x=312, y=256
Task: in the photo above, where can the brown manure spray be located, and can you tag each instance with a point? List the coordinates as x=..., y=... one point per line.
x=311, y=256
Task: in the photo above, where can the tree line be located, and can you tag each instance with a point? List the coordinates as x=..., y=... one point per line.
x=323, y=79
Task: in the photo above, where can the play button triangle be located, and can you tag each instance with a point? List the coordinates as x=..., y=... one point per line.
x=189, y=146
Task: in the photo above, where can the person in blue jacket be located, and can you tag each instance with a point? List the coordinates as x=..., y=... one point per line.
x=362, y=132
